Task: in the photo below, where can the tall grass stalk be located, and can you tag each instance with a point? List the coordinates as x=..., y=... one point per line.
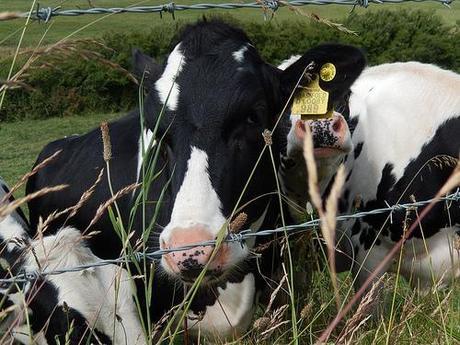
x=16, y=53
x=290, y=281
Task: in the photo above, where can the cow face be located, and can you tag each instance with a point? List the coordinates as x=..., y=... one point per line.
x=331, y=139
x=331, y=143
x=218, y=96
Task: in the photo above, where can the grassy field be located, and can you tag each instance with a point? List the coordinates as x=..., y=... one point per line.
x=21, y=141
x=97, y=25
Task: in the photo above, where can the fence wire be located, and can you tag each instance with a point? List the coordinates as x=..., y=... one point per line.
x=240, y=237
x=46, y=13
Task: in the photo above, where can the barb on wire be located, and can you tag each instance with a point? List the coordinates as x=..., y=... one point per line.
x=232, y=237
x=363, y=3
x=46, y=13
x=271, y=5
x=170, y=8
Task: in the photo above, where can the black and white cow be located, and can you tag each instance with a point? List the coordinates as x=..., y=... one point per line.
x=218, y=96
x=94, y=304
x=406, y=137
x=405, y=124
x=331, y=144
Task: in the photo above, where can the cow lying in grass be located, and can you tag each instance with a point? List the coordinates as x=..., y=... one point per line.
x=94, y=304
x=203, y=118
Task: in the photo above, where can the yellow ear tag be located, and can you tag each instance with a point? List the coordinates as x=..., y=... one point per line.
x=311, y=102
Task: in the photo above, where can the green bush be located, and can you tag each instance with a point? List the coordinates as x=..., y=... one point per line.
x=89, y=76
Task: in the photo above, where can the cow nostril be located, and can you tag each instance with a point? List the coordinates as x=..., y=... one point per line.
x=337, y=125
x=301, y=125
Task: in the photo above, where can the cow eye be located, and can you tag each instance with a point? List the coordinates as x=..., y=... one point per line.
x=252, y=119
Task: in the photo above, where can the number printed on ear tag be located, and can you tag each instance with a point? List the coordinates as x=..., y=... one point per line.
x=311, y=102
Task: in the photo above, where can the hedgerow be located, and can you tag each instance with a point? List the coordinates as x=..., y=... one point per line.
x=92, y=76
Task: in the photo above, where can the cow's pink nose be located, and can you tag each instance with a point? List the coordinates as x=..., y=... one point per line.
x=188, y=263
x=333, y=129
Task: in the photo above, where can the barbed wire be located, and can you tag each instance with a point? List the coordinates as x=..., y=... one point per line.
x=46, y=13
x=240, y=237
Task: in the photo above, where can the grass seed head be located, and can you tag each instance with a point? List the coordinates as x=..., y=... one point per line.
x=261, y=324
x=106, y=141
x=238, y=222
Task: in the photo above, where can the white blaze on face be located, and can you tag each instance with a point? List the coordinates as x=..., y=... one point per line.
x=239, y=54
x=197, y=203
x=166, y=85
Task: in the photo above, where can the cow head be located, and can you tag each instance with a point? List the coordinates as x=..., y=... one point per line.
x=218, y=96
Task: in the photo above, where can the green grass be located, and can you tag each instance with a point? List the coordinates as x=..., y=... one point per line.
x=64, y=26
x=21, y=141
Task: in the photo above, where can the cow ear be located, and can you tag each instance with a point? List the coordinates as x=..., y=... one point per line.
x=348, y=61
x=145, y=68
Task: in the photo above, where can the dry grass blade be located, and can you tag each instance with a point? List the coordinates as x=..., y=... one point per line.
x=275, y=293
x=59, y=51
x=262, y=247
x=82, y=48
x=266, y=325
x=409, y=311
x=86, y=195
x=441, y=305
x=318, y=19
x=28, y=175
x=334, y=195
x=156, y=332
x=330, y=219
x=72, y=210
x=313, y=188
x=10, y=15
x=103, y=207
x=361, y=315
x=452, y=182
x=327, y=216
x=11, y=85
x=9, y=208
x=43, y=224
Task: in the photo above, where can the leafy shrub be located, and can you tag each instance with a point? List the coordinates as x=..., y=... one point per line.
x=89, y=76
